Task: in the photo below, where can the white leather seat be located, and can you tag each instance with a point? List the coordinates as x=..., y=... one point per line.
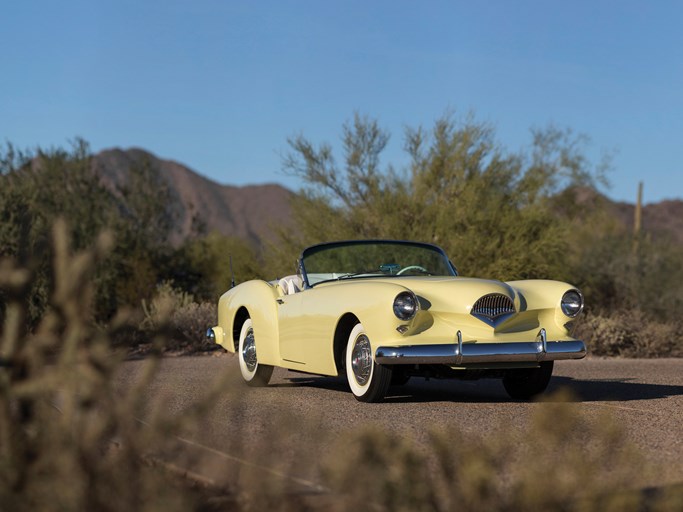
x=291, y=284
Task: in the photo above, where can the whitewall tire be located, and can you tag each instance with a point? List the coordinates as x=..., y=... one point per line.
x=253, y=373
x=368, y=380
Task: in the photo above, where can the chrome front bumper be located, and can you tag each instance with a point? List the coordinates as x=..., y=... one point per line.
x=460, y=353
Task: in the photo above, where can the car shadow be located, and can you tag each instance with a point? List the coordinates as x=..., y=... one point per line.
x=608, y=390
x=491, y=390
x=417, y=390
x=328, y=383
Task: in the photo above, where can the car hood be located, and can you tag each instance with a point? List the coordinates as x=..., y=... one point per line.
x=449, y=293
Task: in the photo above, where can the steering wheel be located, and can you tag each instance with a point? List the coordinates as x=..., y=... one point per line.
x=412, y=267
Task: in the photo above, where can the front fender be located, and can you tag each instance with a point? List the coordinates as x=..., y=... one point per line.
x=370, y=302
x=543, y=297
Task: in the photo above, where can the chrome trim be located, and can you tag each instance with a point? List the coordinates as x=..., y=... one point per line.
x=543, y=339
x=493, y=308
x=459, y=353
x=415, y=302
x=583, y=303
x=249, y=351
x=361, y=360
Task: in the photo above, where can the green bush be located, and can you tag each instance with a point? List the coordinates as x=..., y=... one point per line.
x=202, y=265
x=40, y=186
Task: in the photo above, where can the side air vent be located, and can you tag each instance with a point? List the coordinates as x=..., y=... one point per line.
x=493, y=308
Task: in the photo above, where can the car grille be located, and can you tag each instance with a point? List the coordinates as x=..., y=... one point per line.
x=493, y=307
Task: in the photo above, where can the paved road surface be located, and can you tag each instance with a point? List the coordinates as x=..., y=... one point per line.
x=298, y=416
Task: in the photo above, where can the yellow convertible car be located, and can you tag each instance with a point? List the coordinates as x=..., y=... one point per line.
x=381, y=312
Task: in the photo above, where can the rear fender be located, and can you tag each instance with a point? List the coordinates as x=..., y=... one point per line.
x=258, y=298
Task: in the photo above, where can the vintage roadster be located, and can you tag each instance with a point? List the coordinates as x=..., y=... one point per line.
x=383, y=311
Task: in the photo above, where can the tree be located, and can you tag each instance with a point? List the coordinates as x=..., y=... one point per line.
x=490, y=209
x=201, y=266
x=35, y=189
x=148, y=212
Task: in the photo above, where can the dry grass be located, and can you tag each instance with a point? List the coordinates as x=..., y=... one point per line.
x=68, y=439
x=562, y=463
x=183, y=319
x=630, y=333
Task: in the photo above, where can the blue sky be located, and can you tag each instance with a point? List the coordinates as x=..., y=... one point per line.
x=220, y=85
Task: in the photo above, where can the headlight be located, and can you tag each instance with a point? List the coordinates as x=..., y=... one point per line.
x=572, y=303
x=405, y=306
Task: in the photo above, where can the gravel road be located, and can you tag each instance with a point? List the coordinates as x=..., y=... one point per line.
x=295, y=420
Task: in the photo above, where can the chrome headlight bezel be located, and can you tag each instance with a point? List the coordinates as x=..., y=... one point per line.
x=571, y=303
x=405, y=306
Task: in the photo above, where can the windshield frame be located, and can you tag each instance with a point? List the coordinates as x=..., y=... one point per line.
x=309, y=251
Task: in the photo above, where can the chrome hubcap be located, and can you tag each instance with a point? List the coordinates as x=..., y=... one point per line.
x=249, y=351
x=361, y=360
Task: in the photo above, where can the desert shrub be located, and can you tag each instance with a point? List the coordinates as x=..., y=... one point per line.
x=396, y=466
x=190, y=324
x=561, y=462
x=630, y=333
x=184, y=321
x=166, y=300
x=70, y=439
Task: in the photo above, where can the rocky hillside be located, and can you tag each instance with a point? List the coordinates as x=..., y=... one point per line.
x=662, y=220
x=252, y=212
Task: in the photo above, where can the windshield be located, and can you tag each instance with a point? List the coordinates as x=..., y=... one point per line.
x=356, y=259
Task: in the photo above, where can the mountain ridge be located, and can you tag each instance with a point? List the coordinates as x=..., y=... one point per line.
x=251, y=212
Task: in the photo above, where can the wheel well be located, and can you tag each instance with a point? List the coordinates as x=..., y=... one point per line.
x=240, y=317
x=341, y=337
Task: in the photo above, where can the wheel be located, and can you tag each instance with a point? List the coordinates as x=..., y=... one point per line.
x=526, y=383
x=368, y=380
x=253, y=373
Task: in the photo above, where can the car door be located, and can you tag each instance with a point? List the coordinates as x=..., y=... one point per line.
x=290, y=328
x=305, y=337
